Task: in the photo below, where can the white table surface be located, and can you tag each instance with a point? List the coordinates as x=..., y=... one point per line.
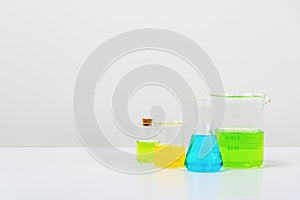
x=71, y=173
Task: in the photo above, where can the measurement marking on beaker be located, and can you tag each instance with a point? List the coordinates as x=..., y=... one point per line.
x=235, y=148
x=232, y=137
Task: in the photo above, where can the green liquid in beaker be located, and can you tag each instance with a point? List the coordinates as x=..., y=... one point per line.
x=241, y=148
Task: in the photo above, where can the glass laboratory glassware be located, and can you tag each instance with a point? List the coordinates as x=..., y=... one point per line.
x=203, y=153
x=241, y=137
x=170, y=152
x=145, y=146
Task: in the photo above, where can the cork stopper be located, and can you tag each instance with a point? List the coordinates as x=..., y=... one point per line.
x=147, y=121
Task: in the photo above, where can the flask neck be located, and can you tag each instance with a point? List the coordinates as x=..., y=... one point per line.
x=205, y=112
x=203, y=129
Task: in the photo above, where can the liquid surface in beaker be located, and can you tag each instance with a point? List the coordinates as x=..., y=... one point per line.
x=241, y=148
x=145, y=150
x=169, y=156
x=203, y=154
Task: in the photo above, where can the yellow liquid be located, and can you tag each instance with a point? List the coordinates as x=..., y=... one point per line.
x=169, y=156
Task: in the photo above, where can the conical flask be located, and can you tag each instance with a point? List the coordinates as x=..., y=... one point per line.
x=203, y=154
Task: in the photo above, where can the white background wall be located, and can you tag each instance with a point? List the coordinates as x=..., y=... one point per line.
x=254, y=44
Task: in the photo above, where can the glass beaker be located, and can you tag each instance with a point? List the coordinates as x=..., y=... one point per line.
x=203, y=153
x=241, y=137
x=170, y=152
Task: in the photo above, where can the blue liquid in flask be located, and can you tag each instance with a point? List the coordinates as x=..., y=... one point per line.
x=203, y=154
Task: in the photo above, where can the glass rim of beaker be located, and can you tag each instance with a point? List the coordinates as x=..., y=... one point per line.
x=240, y=95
